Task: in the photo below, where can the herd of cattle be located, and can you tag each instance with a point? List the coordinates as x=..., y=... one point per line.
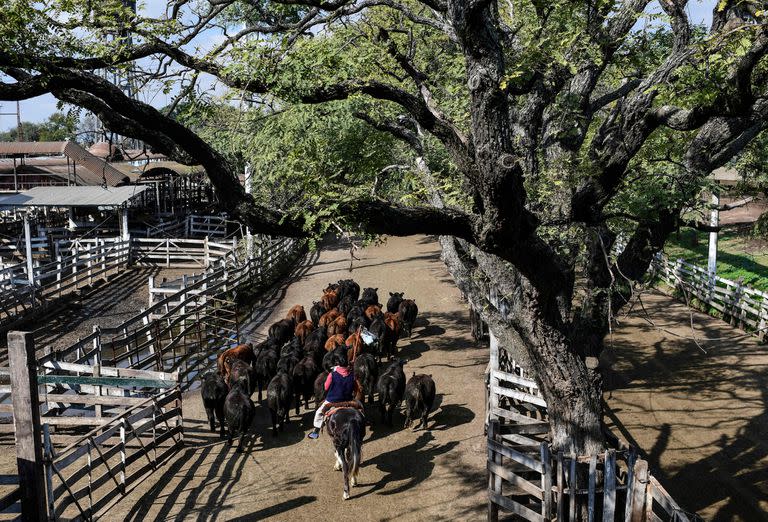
x=294, y=361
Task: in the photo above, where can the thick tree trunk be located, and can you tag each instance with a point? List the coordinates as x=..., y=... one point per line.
x=572, y=390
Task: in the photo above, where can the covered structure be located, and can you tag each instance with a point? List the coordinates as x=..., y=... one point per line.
x=59, y=163
x=102, y=198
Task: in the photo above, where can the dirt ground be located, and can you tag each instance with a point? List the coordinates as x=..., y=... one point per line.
x=437, y=474
x=699, y=413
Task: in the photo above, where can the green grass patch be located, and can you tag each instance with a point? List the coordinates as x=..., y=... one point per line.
x=739, y=255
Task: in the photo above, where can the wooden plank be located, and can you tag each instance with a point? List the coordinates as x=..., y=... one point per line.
x=591, y=488
x=631, y=459
x=560, y=487
x=494, y=482
x=26, y=420
x=521, y=396
x=134, y=382
x=546, y=482
x=513, y=507
x=609, y=486
x=516, y=379
x=574, y=487
x=533, y=428
x=90, y=400
x=9, y=499
x=515, y=480
x=515, y=455
x=660, y=495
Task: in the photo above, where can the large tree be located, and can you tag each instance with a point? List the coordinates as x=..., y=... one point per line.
x=559, y=124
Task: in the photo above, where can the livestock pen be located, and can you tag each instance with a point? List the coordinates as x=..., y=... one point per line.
x=104, y=382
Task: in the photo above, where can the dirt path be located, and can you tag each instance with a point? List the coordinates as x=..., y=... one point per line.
x=428, y=475
x=702, y=418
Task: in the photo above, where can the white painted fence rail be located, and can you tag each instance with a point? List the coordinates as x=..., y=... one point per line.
x=740, y=305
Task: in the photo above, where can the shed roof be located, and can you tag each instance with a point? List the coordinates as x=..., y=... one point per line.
x=73, y=196
x=43, y=148
x=726, y=176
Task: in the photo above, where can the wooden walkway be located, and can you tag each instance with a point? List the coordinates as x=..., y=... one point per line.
x=427, y=475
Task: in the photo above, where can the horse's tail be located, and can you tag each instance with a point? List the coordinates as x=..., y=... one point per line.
x=355, y=450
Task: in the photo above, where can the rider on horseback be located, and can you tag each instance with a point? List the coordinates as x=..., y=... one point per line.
x=340, y=387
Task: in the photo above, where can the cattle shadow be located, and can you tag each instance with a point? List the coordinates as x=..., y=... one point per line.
x=413, y=464
x=449, y=416
x=277, y=509
x=293, y=433
x=412, y=350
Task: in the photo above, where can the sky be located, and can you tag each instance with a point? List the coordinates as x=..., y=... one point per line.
x=40, y=108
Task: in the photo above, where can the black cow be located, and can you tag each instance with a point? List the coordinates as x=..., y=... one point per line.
x=265, y=367
x=379, y=329
x=282, y=331
x=393, y=303
x=390, y=387
x=304, y=374
x=334, y=357
x=366, y=374
x=214, y=391
x=241, y=370
x=408, y=312
x=316, y=312
x=279, y=397
x=348, y=288
x=320, y=388
x=419, y=399
x=370, y=297
x=239, y=411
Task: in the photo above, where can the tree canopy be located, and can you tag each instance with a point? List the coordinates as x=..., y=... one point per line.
x=527, y=134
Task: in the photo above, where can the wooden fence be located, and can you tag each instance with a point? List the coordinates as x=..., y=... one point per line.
x=526, y=479
x=738, y=304
x=134, y=422
x=208, y=226
x=77, y=268
x=179, y=253
x=184, y=327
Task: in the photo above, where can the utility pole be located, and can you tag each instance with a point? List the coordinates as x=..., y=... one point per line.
x=19, y=127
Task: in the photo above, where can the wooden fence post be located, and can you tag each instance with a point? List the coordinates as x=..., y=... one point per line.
x=609, y=486
x=639, y=489
x=494, y=481
x=26, y=421
x=546, y=482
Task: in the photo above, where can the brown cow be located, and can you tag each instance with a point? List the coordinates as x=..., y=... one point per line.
x=338, y=326
x=244, y=352
x=355, y=344
x=330, y=299
x=389, y=344
x=373, y=312
x=328, y=317
x=297, y=314
x=303, y=329
x=333, y=342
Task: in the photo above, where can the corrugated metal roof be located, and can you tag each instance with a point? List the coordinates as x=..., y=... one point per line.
x=98, y=170
x=73, y=196
x=32, y=147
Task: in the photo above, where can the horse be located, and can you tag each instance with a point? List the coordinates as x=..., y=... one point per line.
x=346, y=426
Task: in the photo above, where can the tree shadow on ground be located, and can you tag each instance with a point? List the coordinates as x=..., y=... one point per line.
x=725, y=376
